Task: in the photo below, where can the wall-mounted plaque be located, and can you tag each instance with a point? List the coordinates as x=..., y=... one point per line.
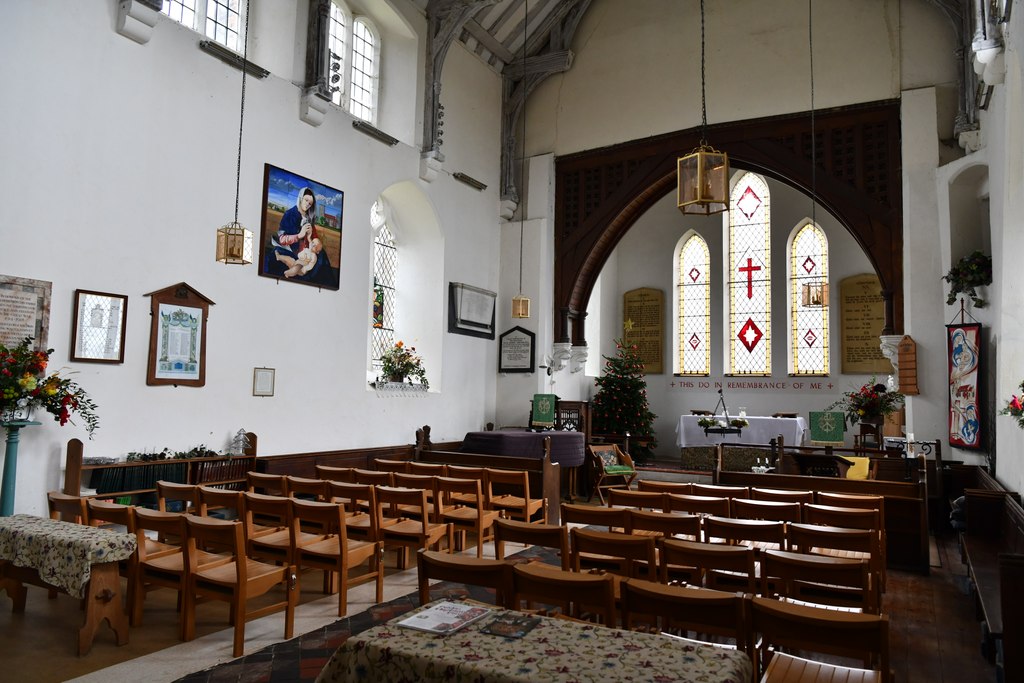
x=862, y=310
x=516, y=350
x=24, y=310
x=642, y=325
x=177, y=336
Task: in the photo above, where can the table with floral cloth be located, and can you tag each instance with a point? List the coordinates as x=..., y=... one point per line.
x=76, y=559
x=556, y=650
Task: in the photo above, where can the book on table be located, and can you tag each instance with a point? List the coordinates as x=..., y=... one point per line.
x=511, y=625
x=445, y=617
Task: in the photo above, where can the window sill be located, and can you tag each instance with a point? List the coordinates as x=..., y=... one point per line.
x=399, y=390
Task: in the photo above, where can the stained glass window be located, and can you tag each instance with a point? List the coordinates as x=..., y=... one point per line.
x=383, y=300
x=749, y=278
x=808, y=297
x=694, y=307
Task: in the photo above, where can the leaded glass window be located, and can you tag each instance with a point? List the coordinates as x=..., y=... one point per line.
x=694, y=312
x=337, y=41
x=364, y=71
x=808, y=296
x=385, y=276
x=749, y=278
x=220, y=20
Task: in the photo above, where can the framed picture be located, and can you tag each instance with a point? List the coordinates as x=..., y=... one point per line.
x=24, y=310
x=516, y=350
x=98, y=327
x=963, y=346
x=177, y=337
x=263, y=381
x=300, y=236
x=471, y=310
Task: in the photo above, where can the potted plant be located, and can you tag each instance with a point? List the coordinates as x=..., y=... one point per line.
x=400, y=363
x=870, y=403
x=973, y=270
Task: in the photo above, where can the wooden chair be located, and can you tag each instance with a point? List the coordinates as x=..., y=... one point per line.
x=818, y=579
x=698, y=505
x=305, y=488
x=161, y=565
x=362, y=513
x=103, y=512
x=466, y=472
x=774, y=510
x=776, y=624
x=509, y=490
x=577, y=595
x=385, y=465
x=235, y=581
x=615, y=519
x=720, y=490
x=782, y=495
x=267, y=484
x=223, y=503
x=374, y=477
x=474, y=571
x=663, y=524
x=332, y=551
x=612, y=468
x=759, y=534
x=621, y=554
x=407, y=532
x=687, y=609
x=473, y=516
x=857, y=512
x=268, y=528
x=431, y=469
x=851, y=544
x=544, y=535
x=715, y=566
x=640, y=500
x=67, y=508
x=172, y=496
x=428, y=483
x=331, y=473
x=683, y=487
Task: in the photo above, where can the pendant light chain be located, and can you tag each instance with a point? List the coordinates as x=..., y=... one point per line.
x=241, y=113
x=814, y=139
x=703, y=98
x=522, y=164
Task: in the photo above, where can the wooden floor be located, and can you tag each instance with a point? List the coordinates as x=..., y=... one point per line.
x=934, y=633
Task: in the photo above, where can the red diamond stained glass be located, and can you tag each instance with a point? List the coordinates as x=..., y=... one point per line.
x=749, y=203
x=750, y=335
x=694, y=341
x=809, y=265
x=694, y=274
x=810, y=338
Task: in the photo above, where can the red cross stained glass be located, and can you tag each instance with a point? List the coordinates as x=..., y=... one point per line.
x=749, y=282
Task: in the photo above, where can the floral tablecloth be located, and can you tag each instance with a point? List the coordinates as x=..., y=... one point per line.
x=62, y=552
x=556, y=650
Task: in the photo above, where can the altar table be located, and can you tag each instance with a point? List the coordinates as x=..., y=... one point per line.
x=760, y=431
x=555, y=650
x=79, y=560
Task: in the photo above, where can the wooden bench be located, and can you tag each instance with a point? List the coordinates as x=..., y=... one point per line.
x=993, y=549
x=544, y=475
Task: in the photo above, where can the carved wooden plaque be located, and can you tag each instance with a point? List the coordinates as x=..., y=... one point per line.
x=907, y=355
x=643, y=325
x=862, y=310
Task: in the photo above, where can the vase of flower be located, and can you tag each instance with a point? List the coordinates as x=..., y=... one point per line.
x=16, y=414
x=396, y=377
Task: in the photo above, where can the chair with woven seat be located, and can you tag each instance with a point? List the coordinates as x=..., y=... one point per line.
x=711, y=565
x=332, y=551
x=461, y=569
x=471, y=516
x=544, y=535
x=776, y=625
x=819, y=580
x=689, y=609
x=612, y=468
x=509, y=490
x=576, y=595
x=235, y=581
x=410, y=531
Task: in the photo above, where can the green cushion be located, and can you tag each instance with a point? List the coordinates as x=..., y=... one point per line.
x=617, y=469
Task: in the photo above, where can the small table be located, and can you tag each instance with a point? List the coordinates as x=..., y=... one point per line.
x=760, y=430
x=73, y=558
x=555, y=650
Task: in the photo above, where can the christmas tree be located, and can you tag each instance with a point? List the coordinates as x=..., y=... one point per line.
x=620, y=404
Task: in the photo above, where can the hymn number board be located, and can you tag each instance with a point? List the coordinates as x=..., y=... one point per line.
x=643, y=325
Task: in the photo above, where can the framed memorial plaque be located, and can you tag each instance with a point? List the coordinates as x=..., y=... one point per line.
x=24, y=310
x=471, y=310
x=516, y=350
x=98, y=327
x=177, y=337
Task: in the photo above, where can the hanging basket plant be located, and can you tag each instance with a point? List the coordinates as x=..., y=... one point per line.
x=973, y=270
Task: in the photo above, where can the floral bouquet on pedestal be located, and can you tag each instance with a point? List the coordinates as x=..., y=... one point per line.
x=870, y=403
x=23, y=388
x=1015, y=407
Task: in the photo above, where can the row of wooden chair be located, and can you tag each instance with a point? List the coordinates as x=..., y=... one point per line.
x=759, y=626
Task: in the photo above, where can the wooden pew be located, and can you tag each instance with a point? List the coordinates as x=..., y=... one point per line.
x=993, y=548
x=545, y=476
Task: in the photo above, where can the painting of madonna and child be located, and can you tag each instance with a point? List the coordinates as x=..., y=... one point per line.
x=300, y=239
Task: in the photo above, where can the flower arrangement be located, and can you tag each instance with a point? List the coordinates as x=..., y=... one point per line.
x=1015, y=407
x=870, y=402
x=739, y=422
x=710, y=423
x=973, y=270
x=23, y=387
x=401, y=362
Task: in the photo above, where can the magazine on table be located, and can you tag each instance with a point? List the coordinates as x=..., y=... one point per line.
x=445, y=617
x=511, y=625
